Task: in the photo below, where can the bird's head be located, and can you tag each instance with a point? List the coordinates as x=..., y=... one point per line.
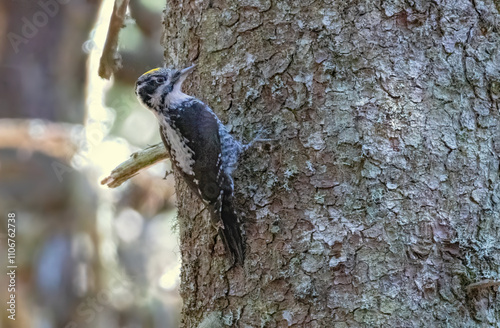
x=161, y=86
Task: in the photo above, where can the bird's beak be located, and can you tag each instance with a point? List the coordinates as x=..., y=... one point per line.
x=187, y=70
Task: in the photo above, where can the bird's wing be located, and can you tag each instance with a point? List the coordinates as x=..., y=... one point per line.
x=200, y=128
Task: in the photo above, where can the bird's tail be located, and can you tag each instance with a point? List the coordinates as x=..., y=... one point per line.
x=230, y=230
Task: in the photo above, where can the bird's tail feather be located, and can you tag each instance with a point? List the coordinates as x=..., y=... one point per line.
x=230, y=230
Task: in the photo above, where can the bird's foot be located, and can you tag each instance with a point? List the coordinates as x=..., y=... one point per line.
x=258, y=140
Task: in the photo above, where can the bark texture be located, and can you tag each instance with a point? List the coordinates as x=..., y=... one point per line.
x=379, y=203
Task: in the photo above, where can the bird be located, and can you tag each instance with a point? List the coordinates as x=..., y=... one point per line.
x=200, y=147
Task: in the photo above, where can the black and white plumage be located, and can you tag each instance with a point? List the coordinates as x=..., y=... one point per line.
x=199, y=146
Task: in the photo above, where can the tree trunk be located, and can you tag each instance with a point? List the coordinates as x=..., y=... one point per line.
x=378, y=204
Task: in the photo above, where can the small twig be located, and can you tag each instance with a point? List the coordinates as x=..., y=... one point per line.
x=483, y=284
x=111, y=60
x=138, y=161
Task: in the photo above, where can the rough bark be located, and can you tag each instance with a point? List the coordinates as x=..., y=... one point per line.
x=379, y=203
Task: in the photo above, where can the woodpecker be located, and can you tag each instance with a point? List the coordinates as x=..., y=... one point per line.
x=200, y=147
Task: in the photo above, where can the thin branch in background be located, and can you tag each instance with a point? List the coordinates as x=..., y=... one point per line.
x=111, y=60
x=51, y=138
x=483, y=284
x=138, y=161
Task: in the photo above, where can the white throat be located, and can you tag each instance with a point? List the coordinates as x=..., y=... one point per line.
x=176, y=96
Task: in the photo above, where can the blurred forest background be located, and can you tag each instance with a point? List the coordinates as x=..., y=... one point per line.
x=87, y=256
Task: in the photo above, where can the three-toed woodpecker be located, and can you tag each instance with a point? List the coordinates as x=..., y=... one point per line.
x=200, y=148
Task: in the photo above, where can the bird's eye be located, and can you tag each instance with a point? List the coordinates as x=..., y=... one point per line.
x=160, y=79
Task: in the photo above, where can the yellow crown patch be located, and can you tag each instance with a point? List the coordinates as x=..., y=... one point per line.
x=151, y=71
